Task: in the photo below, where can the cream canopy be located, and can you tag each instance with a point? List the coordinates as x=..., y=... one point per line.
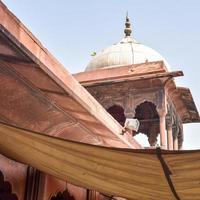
x=133, y=174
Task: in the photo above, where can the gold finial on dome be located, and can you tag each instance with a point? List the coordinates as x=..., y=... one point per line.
x=127, y=29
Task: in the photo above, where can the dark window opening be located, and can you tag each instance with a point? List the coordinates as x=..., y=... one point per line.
x=117, y=113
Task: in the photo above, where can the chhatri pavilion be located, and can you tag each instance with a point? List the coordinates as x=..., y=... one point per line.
x=72, y=137
x=132, y=80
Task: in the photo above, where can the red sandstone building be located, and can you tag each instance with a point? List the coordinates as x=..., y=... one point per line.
x=126, y=89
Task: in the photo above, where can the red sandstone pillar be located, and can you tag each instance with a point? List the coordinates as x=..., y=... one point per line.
x=169, y=137
x=162, y=115
x=176, y=143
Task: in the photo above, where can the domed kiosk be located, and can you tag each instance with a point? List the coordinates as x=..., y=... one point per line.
x=133, y=81
x=126, y=52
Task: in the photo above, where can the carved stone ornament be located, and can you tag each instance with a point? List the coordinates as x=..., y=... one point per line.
x=65, y=195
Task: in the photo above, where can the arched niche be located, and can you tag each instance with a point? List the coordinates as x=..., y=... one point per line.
x=148, y=116
x=6, y=189
x=117, y=113
x=65, y=195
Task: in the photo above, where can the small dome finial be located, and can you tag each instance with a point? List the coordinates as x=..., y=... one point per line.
x=127, y=29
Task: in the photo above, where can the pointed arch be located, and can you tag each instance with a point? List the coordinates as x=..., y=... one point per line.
x=117, y=113
x=147, y=114
x=6, y=189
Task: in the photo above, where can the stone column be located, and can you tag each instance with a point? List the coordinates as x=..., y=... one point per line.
x=176, y=143
x=161, y=107
x=162, y=114
x=169, y=137
x=175, y=137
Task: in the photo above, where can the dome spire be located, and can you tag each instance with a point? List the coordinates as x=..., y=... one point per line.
x=127, y=29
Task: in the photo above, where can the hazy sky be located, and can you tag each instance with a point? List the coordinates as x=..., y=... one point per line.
x=71, y=30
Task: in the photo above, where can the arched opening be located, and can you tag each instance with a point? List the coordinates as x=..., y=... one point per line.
x=65, y=195
x=145, y=111
x=147, y=114
x=118, y=113
x=6, y=189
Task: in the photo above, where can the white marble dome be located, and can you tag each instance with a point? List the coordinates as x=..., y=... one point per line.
x=126, y=52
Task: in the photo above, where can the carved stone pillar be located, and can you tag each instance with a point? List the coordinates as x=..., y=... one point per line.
x=176, y=143
x=169, y=123
x=162, y=115
x=169, y=136
x=180, y=138
x=175, y=137
x=162, y=111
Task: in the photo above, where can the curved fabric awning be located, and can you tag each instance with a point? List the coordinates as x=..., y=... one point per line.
x=133, y=174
